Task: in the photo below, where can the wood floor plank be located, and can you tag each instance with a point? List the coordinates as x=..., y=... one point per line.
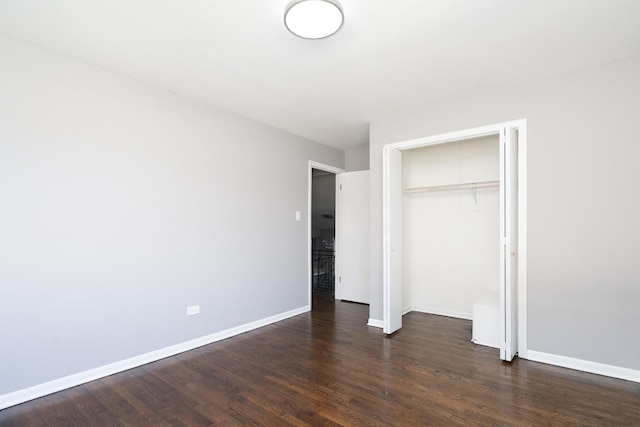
x=328, y=368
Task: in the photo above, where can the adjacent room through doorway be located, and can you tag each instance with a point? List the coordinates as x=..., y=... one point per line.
x=323, y=233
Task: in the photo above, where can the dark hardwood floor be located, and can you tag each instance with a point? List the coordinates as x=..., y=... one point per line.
x=328, y=368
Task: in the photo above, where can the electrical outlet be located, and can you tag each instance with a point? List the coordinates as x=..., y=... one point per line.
x=193, y=309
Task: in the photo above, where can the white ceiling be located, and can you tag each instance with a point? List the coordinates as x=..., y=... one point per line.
x=390, y=57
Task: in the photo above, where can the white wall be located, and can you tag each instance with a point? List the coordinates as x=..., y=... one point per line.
x=450, y=238
x=122, y=204
x=583, y=205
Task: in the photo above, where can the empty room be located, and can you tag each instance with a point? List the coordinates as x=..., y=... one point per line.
x=319, y=212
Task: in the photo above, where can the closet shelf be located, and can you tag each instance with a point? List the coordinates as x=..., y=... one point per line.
x=452, y=187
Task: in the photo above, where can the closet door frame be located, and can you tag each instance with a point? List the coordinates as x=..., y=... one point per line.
x=390, y=223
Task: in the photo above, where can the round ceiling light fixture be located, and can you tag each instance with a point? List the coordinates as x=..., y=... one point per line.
x=313, y=19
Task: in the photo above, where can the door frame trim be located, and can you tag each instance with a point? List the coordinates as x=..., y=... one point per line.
x=336, y=171
x=494, y=129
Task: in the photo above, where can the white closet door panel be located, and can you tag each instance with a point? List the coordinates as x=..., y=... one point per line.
x=509, y=244
x=392, y=263
x=353, y=234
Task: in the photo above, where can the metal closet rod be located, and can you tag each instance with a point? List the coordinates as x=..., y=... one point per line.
x=453, y=187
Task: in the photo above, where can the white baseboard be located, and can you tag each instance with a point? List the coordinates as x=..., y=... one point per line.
x=439, y=312
x=585, y=366
x=375, y=323
x=30, y=393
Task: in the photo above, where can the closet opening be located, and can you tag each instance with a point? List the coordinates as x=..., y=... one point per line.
x=451, y=220
x=454, y=236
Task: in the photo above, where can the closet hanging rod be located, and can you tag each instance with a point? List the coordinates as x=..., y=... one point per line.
x=452, y=187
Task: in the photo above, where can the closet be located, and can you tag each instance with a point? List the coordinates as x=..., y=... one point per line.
x=450, y=232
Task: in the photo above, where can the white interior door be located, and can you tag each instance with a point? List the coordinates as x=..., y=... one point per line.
x=392, y=224
x=352, y=283
x=509, y=244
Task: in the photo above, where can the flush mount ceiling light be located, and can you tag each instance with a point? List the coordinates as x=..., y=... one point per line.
x=313, y=19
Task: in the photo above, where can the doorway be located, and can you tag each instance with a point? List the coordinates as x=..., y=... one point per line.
x=512, y=229
x=323, y=217
x=323, y=233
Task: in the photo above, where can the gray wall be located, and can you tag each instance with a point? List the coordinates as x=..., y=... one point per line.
x=356, y=158
x=122, y=204
x=583, y=204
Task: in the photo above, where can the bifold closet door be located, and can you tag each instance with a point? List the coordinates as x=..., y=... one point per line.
x=392, y=231
x=509, y=243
